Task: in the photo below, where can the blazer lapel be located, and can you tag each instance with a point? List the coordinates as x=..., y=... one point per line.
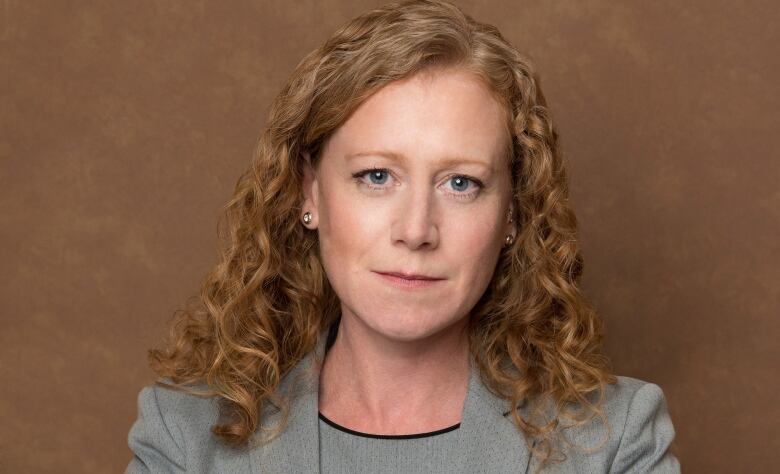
x=488, y=440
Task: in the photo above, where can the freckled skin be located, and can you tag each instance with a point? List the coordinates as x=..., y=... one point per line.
x=418, y=218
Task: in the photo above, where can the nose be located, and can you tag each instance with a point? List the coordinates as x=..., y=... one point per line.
x=415, y=224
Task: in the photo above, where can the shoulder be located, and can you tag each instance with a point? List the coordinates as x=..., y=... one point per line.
x=173, y=431
x=629, y=397
x=637, y=434
x=647, y=431
x=187, y=412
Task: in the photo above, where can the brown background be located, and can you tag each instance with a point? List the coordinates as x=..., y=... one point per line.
x=126, y=124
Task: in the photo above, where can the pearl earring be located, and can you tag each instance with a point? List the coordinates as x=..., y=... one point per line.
x=509, y=238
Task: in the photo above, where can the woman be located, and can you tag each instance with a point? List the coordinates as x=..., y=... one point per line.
x=399, y=289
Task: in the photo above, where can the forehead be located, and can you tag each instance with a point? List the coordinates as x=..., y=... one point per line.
x=440, y=115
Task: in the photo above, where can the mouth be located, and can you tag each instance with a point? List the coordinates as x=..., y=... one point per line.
x=409, y=281
x=410, y=276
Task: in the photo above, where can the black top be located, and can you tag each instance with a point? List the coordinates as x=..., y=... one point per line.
x=379, y=436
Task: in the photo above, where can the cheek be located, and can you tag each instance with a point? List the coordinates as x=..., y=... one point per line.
x=479, y=230
x=477, y=244
x=346, y=232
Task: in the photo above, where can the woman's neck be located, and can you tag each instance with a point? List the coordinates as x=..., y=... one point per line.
x=373, y=384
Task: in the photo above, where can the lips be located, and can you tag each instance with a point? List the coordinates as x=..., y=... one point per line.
x=410, y=281
x=410, y=276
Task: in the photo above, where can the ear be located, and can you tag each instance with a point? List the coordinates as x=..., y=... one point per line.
x=309, y=190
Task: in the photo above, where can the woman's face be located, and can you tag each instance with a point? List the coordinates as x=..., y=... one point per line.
x=415, y=182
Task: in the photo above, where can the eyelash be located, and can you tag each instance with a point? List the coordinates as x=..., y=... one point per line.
x=360, y=174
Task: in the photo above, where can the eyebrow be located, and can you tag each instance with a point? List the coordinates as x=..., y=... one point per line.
x=456, y=160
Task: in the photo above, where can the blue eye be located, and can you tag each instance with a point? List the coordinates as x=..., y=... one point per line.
x=461, y=183
x=378, y=176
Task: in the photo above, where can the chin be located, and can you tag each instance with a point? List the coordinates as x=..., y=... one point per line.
x=406, y=335
x=407, y=329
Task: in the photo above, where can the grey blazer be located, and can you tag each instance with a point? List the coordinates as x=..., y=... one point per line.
x=172, y=433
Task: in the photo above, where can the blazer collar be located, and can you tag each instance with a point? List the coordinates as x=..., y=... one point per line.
x=486, y=436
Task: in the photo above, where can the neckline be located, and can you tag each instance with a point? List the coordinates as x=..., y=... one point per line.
x=381, y=436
